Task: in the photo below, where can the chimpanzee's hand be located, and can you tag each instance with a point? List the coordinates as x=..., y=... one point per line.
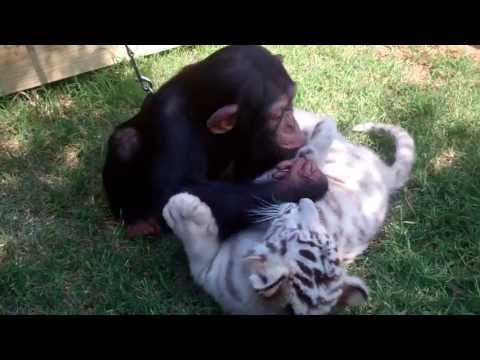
x=299, y=169
x=301, y=178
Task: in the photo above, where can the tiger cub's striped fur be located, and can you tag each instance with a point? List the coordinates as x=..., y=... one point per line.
x=295, y=260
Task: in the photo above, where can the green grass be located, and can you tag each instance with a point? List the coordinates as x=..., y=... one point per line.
x=61, y=252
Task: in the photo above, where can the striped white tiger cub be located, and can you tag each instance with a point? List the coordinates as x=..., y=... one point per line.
x=293, y=261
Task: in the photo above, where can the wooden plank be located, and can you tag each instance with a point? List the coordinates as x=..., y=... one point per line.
x=27, y=66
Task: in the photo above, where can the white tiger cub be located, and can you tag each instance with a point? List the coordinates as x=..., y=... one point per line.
x=297, y=263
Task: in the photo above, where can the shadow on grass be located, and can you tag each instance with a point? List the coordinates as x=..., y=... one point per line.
x=441, y=202
x=61, y=250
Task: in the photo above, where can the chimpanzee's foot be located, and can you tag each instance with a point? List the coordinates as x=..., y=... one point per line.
x=146, y=227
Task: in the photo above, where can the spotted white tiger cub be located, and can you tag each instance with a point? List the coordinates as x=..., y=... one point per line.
x=294, y=259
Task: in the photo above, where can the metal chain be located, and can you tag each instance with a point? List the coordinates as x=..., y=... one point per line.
x=144, y=81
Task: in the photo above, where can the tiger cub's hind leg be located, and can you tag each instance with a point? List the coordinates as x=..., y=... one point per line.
x=193, y=223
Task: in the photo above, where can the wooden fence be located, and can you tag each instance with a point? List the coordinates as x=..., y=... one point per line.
x=27, y=66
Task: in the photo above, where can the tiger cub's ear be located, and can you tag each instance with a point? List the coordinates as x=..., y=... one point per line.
x=266, y=278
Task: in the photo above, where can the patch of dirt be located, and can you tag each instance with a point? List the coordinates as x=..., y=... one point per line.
x=418, y=74
x=425, y=52
x=473, y=51
x=444, y=160
x=71, y=156
x=419, y=60
x=11, y=146
x=65, y=101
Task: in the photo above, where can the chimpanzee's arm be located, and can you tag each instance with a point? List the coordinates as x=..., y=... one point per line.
x=177, y=155
x=231, y=204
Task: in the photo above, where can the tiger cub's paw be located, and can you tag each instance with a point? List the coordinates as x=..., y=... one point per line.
x=189, y=217
x=320, y=141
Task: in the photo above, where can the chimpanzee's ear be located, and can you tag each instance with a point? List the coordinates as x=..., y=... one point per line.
x=279, y=57
x=223, y=120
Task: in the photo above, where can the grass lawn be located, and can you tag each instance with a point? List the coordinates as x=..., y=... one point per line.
x=62, y=253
